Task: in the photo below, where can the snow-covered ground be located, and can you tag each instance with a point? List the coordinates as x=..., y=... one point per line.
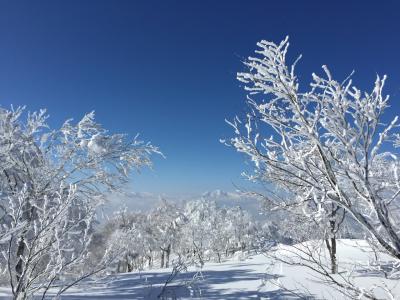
x=252, y=277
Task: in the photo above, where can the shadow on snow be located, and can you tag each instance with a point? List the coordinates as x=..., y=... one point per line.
x=148, y=285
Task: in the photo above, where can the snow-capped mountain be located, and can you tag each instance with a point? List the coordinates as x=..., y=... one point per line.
x=218, y=194
x=229, y=199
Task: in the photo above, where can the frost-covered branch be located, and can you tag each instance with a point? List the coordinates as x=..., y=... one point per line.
x=52, y=183
x=325, y=145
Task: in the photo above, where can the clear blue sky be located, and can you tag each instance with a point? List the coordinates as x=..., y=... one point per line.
x=167, y=69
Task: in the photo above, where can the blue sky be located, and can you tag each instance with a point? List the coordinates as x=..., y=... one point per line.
x=166, y=69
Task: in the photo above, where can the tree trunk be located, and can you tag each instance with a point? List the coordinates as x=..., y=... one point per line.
x=149, y=262
x=129, y=267
x=162, y=259
x=20, y=253
x=331, y=241
x=167, y=252
x=19, y=267
x=331, y=245
x=200, y=258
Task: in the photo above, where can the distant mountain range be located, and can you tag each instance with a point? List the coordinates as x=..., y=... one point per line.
x=143, y=201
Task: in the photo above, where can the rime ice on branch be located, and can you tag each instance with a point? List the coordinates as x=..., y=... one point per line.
x=52, y=182
x=323, y=149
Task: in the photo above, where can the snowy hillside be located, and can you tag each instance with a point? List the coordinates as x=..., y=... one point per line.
x=255, y=276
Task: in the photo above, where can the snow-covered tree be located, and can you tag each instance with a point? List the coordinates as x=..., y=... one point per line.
x=323, y=149
x=166, y=224
x=241, y=227
x=211, y=231
x=51, y=183
x=143, y=238
x=194, y=233
x=201, y=218
x=126, y=234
